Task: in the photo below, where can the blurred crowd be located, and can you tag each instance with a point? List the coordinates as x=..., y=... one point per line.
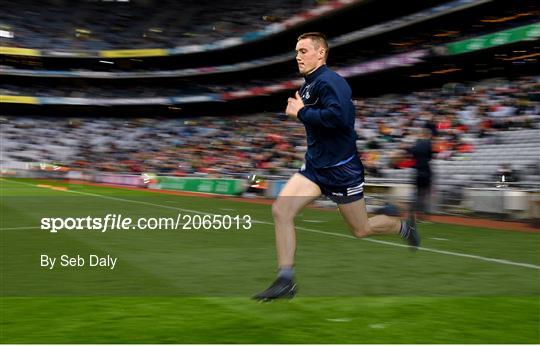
x=83, y=89
x=457, y=116
x=207, y=145
x=200, y=146
x=268, y=144
x=86, y=90
x=98, y=25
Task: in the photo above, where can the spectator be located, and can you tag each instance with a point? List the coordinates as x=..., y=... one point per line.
x=422, y=152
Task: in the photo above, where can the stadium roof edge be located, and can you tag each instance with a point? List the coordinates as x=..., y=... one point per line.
x=270, y=30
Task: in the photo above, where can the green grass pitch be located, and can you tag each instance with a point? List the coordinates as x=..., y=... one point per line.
x=466, y=285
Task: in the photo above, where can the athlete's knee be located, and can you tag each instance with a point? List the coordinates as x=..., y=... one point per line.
x=281, y=211
x=360, y=232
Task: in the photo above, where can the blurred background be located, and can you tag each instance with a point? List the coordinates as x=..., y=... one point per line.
x=150, y=93
x=137, y=107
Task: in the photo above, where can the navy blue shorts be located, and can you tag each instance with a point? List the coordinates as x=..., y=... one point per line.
x=342, y=184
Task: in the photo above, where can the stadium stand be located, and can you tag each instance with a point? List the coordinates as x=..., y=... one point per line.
x=479, y=126
x=87, y=25
x=498, y=122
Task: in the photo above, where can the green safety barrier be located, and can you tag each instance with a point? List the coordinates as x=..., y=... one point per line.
x=204, y=185
x=522, y=33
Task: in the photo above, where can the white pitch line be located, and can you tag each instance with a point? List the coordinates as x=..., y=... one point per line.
x=459, y=254
x=338, y=319
x=451, y=253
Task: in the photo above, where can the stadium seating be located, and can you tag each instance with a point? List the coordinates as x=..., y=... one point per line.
x=98, y=25
x=261, y=144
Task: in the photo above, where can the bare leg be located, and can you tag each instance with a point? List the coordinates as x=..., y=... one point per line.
x=296, y=194
x=355, y=214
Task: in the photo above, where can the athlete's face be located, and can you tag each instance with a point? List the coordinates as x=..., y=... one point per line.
x=309, y=56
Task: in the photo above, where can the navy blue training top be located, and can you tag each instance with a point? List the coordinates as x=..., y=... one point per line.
x=328, y=117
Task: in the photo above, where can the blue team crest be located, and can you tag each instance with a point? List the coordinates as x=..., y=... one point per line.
x=306, y=94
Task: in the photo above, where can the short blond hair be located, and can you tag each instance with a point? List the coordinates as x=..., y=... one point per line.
x=318, y=38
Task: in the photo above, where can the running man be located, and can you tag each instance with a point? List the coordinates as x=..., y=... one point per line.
x=332, y=166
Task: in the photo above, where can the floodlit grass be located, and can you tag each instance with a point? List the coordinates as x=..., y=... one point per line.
x=193, y=286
